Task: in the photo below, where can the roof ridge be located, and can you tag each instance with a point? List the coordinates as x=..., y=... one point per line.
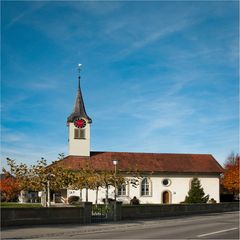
x=208, y=154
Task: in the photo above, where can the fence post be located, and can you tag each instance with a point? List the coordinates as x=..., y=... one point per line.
x=87, y=206
x=118, y=211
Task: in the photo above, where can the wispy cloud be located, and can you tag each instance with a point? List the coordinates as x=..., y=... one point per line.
x=21, y=146
x=155, y=36
x=30, y=10
x=97, y=7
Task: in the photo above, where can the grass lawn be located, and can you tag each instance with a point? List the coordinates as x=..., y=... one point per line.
x=19, y=205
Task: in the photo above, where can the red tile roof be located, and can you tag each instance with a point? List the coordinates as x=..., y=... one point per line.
x=145, y=162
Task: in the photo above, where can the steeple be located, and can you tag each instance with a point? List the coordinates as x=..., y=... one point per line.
x=79, y=124
x=79, y=108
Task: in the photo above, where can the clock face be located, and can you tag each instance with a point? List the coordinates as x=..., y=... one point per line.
x=80, y=123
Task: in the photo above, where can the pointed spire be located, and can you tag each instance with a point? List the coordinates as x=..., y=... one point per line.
x=79, y=108
x=79, y=76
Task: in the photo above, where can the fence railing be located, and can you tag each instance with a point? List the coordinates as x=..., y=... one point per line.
x=101, y=213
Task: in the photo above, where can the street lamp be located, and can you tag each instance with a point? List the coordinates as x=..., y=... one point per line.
x=115, y=163
x=49, y=176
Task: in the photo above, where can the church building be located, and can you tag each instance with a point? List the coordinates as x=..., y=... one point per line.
x=165, y=177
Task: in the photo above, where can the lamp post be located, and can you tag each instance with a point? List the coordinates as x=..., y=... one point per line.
x=115, y=163
x=49, y=176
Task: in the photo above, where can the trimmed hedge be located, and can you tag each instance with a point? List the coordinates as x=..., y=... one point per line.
x=20, y=205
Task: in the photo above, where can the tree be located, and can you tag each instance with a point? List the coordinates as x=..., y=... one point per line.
x=9, y=189
x=96, y=180
x=35, y=177
x=196, y=193
x=231, y=160
x=38, y=177
x=230, y=180
x=20, y=172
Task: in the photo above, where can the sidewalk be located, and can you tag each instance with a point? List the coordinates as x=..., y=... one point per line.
x=59, y=230
x=64, y=231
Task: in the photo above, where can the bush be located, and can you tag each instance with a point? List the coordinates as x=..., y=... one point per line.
x=212, y=200
x=102, y=209
x=73, y=199
x=110, y=200
x=134, y=201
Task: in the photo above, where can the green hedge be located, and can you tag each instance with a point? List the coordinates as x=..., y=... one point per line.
x=19, y=205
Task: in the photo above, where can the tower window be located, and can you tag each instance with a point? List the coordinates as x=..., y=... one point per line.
x=79, y=133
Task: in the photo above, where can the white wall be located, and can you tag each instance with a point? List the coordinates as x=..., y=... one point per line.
x=178, y=188
x=78, y=147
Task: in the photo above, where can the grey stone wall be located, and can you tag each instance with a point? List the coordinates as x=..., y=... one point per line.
x=82, y=215
x=151, y=211
x=33, y=216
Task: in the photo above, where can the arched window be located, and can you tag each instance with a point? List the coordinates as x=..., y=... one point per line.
x=145, y=187
x=122, y=190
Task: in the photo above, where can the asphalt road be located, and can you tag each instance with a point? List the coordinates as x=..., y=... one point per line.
x=207, y=226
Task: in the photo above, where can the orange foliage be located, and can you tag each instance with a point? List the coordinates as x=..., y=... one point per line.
x=231, y=177
x=9, y=189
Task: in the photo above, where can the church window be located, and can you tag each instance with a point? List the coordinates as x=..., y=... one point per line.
x=166, y=182
x=122, y=190
x=145, y=187
x=79, y=133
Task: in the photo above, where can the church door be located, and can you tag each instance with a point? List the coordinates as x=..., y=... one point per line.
x=166, y=197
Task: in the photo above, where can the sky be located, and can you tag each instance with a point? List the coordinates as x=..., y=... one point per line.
x=157, y=76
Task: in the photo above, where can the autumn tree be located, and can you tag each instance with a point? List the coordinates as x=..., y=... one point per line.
x=97, y=182
x=35, y=177
x=231, y=160
x=196, y=193
x=230, y=180
x=82, y=179
x=20, y=172
x=9, y=188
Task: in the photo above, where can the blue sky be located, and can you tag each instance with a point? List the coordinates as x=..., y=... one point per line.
x=157, y=76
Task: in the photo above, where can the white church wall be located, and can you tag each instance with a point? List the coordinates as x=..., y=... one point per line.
x=178, y=189
x=79, y=147
x=211, y=186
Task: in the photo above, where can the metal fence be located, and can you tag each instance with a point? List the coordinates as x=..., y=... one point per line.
x=101, y=213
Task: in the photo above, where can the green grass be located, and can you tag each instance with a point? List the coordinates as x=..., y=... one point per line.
x=19, y=205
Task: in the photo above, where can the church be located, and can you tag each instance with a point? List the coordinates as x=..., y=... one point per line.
x=165, y=177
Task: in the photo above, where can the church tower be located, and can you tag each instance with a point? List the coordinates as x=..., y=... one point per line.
x=79, y=127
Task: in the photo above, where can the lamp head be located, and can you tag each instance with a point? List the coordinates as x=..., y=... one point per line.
x=115, y=162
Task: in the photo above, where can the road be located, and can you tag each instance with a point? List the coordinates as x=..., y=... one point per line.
x=207, y=226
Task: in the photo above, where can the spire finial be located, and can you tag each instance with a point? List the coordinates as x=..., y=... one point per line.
x=79, y=70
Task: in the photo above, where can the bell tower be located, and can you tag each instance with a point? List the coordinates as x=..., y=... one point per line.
x=79, y=126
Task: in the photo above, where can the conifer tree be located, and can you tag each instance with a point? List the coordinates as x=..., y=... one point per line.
x=196, y=193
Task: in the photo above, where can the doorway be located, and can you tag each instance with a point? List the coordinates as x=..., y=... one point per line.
x=166, y=197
